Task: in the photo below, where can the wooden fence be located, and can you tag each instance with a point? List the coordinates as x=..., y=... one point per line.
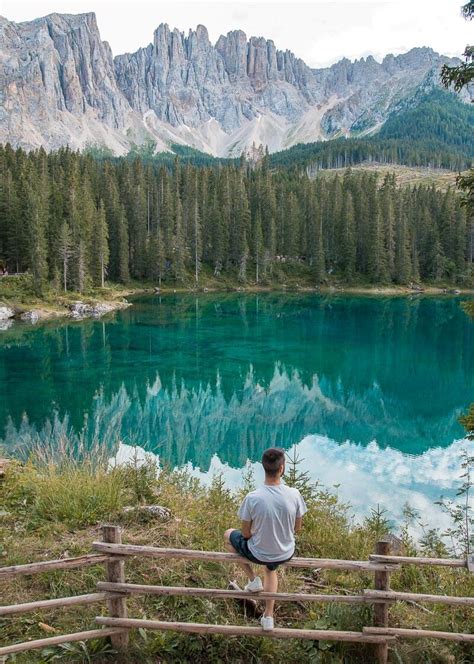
x=114, y=592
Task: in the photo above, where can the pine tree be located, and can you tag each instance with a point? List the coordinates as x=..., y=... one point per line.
x=402, y=265
x=348, y=244
x=64, y=251
x=258, y=250
x=376, y=262
x=242, y=225
x=156, y=258
x=100, y=247
x=387, y=211
x=36, y=216
x=196, y=232
x=179, y=252
x=122, y=246
x=12, y=223
x=217, y=236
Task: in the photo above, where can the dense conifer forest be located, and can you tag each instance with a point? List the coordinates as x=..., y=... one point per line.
x=74, y=221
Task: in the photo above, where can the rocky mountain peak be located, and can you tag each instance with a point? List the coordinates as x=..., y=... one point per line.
x=61, y=84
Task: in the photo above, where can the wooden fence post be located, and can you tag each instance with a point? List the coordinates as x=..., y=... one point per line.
x=382, y=582
x=116, y=574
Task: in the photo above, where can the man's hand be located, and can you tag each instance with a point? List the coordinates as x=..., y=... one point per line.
x=298, y=523
x=245, y=529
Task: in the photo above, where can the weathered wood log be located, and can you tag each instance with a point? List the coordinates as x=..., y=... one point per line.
x=218, y=593
x=382, y=582
x=420, y=634
x=219, y=556
x=49, y=565
x=63, y=638
x=419, y=597
x=243, y=630
x=116, y=574
x=29, y=607
x=408, y=560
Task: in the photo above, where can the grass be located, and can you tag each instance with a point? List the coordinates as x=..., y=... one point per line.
x=53, y=507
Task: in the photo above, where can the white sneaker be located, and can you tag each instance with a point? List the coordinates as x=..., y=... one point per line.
x=266, y=623
x=255, y=586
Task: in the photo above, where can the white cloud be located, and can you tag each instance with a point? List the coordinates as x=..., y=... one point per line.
x=365, y=476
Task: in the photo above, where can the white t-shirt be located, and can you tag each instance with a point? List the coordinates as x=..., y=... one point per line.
x=272, y=509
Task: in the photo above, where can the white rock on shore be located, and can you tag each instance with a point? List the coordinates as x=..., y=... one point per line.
x=150, y=511
x=30, y=316
x=83, y=310
x=6, y=312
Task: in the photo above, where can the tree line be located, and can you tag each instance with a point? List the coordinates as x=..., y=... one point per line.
x=74, y=221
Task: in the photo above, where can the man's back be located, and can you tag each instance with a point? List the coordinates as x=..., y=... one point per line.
x=273, y=510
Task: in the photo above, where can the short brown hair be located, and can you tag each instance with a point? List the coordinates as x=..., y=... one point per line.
x=273, y=459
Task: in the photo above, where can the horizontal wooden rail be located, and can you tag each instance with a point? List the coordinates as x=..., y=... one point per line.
x=218, y=593
x=115, y=591
x=220, y=557
x=241, y=630
x=57, y=640
x=29, y=607
x=419, y=597
x=412, y=560
x=49, y=565
x=420, y=634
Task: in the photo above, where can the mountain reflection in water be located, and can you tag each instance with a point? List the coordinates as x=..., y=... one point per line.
x=190, y=377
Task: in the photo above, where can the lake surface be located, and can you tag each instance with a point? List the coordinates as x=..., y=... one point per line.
x=368, y=389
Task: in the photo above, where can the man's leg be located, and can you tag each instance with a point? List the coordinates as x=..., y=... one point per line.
x=270, y=585
x=247, y=567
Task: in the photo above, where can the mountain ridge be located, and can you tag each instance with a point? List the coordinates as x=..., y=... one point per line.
x=62, y=85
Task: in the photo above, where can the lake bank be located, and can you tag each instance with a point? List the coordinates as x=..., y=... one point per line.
x=99, y=302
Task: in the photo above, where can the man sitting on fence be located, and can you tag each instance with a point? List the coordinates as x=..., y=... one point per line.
x=270, y=517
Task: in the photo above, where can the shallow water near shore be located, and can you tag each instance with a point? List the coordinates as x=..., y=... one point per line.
x=368, y=389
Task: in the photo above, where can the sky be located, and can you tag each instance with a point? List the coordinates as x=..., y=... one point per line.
x=319, y=32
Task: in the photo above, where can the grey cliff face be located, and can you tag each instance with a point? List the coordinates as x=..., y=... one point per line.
x=187, y=80
x=54, y=66
x=61, y=85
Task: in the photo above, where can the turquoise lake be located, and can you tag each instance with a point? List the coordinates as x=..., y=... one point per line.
x=368, y=389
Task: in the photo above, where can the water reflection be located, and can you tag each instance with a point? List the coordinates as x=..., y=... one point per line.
x=182, y=424
x=362, y=476
x=190, y=376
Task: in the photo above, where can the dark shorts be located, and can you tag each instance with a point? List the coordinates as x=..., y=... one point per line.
x=240, y=544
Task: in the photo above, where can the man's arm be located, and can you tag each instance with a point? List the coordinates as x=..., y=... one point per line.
x=298, y=523
x=246, y=529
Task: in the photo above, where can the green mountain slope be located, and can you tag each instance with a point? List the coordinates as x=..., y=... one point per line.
x=435, y=129
x=438, y=116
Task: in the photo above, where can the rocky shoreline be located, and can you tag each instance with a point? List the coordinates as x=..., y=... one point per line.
x=80, y=310
x=76, y=310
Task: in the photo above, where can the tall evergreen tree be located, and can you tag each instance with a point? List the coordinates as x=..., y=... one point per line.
x=64, y=251
x=100, y=247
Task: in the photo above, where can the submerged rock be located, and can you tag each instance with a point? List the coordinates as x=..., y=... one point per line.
x=5, y=324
